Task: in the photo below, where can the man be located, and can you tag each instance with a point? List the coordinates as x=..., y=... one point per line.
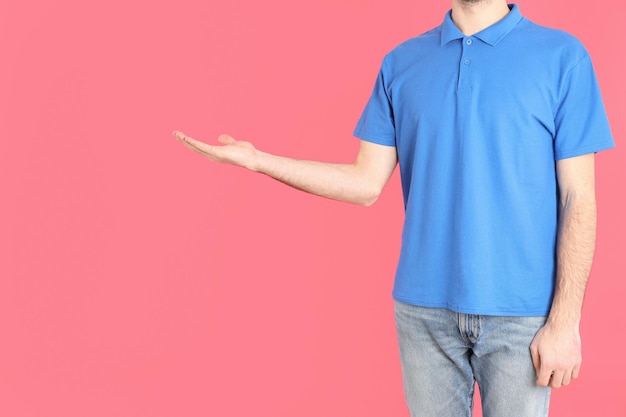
x=494, y=121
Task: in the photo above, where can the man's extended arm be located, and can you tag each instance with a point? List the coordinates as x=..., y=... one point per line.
x=556, y=349
x=360, y=182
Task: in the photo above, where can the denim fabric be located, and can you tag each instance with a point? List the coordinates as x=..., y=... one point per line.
x=443, y=354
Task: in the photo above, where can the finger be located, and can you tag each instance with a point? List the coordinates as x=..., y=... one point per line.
x=226, y=139
x=214, y=153
x=576, y=371
x=544, y=376
x=200, y=147
x=567, y=378
x=192, y=143
x=557, y=379
x=182, y=137
x=534, y=353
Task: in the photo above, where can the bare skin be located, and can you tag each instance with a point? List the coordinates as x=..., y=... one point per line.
x=472, y=16
x=556, y=349
x=360, y=182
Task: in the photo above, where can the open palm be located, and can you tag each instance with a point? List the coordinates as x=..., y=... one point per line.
x=230, y=151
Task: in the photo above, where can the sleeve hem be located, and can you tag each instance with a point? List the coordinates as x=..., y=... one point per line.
x=584, y=150
x=379, y=139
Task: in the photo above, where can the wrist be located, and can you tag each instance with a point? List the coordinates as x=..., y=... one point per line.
x=257, y=162
x=563, y=320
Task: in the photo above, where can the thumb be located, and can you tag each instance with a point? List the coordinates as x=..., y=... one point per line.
x=226, y=139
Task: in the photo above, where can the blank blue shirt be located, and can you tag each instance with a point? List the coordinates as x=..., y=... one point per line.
x=478, y=122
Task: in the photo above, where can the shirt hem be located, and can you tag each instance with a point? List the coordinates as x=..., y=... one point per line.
x=468, y=310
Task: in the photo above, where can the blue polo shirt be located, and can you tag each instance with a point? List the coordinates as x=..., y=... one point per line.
x=478, y=122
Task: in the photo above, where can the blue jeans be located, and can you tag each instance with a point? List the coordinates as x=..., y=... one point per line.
x=444, y=353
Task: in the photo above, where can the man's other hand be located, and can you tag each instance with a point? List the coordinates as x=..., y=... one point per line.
x=556, y=354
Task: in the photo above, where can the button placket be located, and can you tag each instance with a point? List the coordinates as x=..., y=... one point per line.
x=466, y=62
x=466, y=59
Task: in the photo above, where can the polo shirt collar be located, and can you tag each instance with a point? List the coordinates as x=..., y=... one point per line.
x=490, y=35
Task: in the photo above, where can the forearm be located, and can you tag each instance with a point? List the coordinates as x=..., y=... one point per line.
x=556, y=348
x=344, y=182
x=575, y=247
x=360, y=182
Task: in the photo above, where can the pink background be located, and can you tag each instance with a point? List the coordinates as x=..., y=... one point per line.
x=139, y=279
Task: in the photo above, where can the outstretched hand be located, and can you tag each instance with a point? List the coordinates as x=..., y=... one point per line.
x=230, y=151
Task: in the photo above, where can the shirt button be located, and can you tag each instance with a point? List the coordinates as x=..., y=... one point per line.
x=469, y=41
x=466, y=62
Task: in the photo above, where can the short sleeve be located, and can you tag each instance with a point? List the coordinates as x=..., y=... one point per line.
x=580, y=118
x=376, y=123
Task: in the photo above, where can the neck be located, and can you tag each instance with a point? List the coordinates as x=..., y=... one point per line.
x=472, y=16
